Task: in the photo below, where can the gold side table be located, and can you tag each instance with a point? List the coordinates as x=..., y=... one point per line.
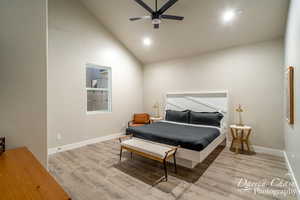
x=240, y=136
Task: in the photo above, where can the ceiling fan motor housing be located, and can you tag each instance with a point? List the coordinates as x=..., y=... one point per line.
x=156, y=18
x=156, y=21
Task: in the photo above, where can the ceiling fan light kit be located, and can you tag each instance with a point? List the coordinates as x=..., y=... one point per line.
x=158, y=14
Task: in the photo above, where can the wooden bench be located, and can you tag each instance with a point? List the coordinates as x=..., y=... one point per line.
x=148, y=149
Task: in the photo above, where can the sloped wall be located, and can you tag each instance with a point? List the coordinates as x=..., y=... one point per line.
x=75, y=39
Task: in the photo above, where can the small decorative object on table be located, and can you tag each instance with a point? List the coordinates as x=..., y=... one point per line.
x=239, y=110
x=2, y=145
x=156, y=106
x=240, y=135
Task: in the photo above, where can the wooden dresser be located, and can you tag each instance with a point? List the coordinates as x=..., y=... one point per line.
x=22, y=177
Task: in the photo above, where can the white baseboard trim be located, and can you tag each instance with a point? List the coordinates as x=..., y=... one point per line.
x=82, y=143
x=274, y=152
x=266, y=150
x=292, y=174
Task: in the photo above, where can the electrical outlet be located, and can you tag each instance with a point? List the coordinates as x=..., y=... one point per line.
x=58, y=137
x=58, y=149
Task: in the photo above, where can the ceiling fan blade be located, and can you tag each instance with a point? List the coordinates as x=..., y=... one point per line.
x=134, y=18
x=167, y=6
x=144, y=6
x=173, y=17
x=156, y=26
x=138, y=18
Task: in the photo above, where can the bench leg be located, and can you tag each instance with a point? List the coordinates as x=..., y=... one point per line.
x=121, y=150
x=175, y=166
x=166, y=172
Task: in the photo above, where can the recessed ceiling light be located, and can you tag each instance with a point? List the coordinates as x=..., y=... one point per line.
x=228, y=16
x=147, y=41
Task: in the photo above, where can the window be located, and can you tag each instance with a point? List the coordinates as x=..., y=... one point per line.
x=98, y=88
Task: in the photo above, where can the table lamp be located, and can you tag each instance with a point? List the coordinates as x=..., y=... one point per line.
x=239, y=110
x=156, y=107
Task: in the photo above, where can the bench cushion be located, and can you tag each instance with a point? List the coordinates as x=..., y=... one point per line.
x=146, y=147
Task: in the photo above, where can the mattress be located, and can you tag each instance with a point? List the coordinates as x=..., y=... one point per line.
x=177, y=134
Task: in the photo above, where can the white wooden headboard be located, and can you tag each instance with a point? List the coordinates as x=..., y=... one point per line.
x=209, y=101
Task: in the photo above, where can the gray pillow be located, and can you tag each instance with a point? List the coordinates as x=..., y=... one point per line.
x=206, y=118
x=178, y=116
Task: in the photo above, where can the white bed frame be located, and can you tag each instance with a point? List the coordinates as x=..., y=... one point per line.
x=210, y=101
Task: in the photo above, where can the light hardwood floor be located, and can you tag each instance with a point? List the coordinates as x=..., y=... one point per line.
x=94, y=173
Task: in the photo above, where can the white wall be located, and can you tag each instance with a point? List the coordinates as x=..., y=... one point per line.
x=77, y=38
x=292, y=58
x=253, y=75
x=23, y=75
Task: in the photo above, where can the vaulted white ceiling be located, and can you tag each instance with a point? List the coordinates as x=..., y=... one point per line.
x=201, y=31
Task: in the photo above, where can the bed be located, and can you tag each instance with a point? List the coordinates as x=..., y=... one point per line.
x=193, y=137
x=197, y=141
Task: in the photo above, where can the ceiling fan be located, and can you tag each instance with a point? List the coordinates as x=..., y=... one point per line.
x=157, y=15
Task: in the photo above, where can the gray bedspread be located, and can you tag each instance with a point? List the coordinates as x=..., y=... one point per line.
x=189, y=137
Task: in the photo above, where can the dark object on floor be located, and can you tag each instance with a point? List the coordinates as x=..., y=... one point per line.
x=2, y=145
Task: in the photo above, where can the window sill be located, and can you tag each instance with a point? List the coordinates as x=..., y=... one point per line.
x=97, y=112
